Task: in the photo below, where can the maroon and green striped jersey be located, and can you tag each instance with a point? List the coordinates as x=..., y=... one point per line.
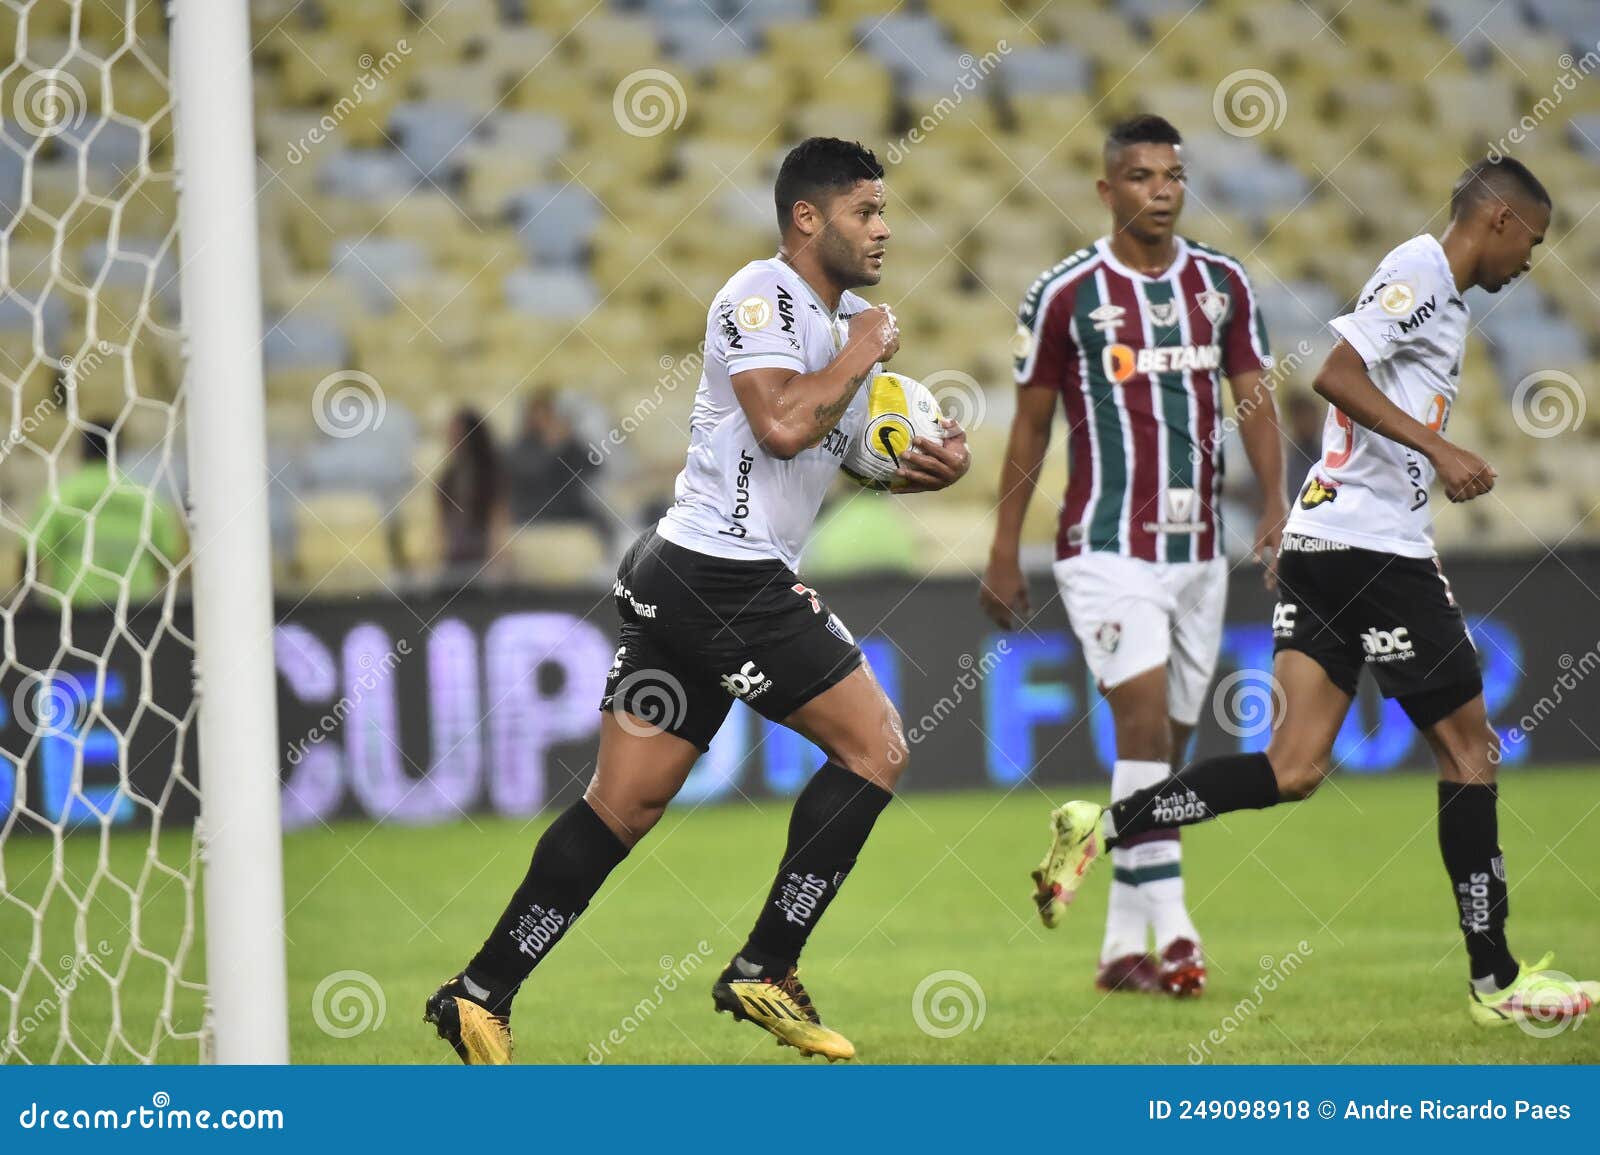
x=1138, y=363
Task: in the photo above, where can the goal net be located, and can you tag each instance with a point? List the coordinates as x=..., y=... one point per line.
x=101, y=957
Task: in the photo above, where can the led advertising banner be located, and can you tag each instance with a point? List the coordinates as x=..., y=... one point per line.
x=485, y=699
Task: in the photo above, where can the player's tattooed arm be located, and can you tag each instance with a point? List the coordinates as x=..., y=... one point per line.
x=789, y=412
x=1344, y=383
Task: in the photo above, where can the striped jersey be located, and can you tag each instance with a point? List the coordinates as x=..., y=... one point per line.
x=1138, y=362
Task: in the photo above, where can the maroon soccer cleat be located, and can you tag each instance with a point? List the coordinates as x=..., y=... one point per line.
x=1183, y=968
x=1130, y=972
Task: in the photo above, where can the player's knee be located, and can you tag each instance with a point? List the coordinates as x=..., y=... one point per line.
x=630, y=819
x=1470, y=760
x=881, y=757
x=1298, y=778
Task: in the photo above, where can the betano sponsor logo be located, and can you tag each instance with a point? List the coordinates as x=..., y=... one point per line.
x=1121, y=362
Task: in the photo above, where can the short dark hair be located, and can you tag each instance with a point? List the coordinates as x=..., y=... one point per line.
x=1495, y=177
x=1146, y=128
x=92, y=439
x=820, y=165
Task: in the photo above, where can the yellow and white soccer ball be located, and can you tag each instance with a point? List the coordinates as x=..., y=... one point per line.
x=899, y=409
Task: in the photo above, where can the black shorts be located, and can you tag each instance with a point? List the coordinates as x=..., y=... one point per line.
x=1347, y=607
x=699, y=631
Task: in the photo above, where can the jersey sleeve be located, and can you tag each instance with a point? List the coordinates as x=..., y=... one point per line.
x=1043, y=351
x=755, y=324
x=1244, y=340
x=1392, y=311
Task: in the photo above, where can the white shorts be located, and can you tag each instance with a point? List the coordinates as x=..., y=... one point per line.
x=1132, y=616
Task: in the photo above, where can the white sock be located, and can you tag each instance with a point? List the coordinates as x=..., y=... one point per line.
x=1127, y=923
x=1128, y=915
x=1163, y=896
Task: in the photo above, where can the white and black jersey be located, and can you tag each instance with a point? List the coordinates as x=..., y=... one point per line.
x=733, y=499
x=1410, y=327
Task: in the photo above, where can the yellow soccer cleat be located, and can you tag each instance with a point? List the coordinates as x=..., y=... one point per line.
x=1074, y=845
x=1541, y=1001
x=779, y=1005
x=479, y=1036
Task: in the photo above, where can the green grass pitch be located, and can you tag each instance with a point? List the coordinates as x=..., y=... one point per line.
x=1328, y=925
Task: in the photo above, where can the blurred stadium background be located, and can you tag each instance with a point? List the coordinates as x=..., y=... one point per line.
x=518, y=210
x=468, y=203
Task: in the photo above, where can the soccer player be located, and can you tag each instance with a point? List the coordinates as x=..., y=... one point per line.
x=1132, y=334
x=1359, y=584
x=712, y=609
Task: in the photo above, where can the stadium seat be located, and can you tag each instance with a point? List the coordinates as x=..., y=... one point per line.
x=557, y=554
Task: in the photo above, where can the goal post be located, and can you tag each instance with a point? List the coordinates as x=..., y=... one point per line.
x=240, y=835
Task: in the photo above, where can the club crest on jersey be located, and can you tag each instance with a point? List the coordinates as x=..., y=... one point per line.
x=1213, y=304
x=1108, y=636
x=1396, y=299
x=1181, y=514
x=1107, y=318
x=1022, y=343
x=1317, y=491
x=753, y=313
x=1121, y=362
x=1163, y=313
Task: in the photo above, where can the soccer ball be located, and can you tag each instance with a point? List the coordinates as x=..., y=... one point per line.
x=898, y=410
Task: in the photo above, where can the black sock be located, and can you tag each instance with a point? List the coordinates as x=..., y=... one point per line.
x=829, y=825
x=569, y=865
x=1469, y=840
x=1203, y=790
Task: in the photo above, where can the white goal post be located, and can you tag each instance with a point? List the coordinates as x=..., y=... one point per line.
x=240, y=833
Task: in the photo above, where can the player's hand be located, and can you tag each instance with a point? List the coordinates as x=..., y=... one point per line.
x=1003, y=593
x=1269, y=536
x=878, y=330
x=931, y=464
x=1464, y=473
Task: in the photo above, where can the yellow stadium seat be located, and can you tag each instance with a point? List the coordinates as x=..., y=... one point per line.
x=557, y=554
x=341, y=541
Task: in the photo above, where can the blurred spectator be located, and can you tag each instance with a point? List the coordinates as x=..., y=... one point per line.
x=1305, y=441
x=471, y=495
x=90, y=538
x=547, y=470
